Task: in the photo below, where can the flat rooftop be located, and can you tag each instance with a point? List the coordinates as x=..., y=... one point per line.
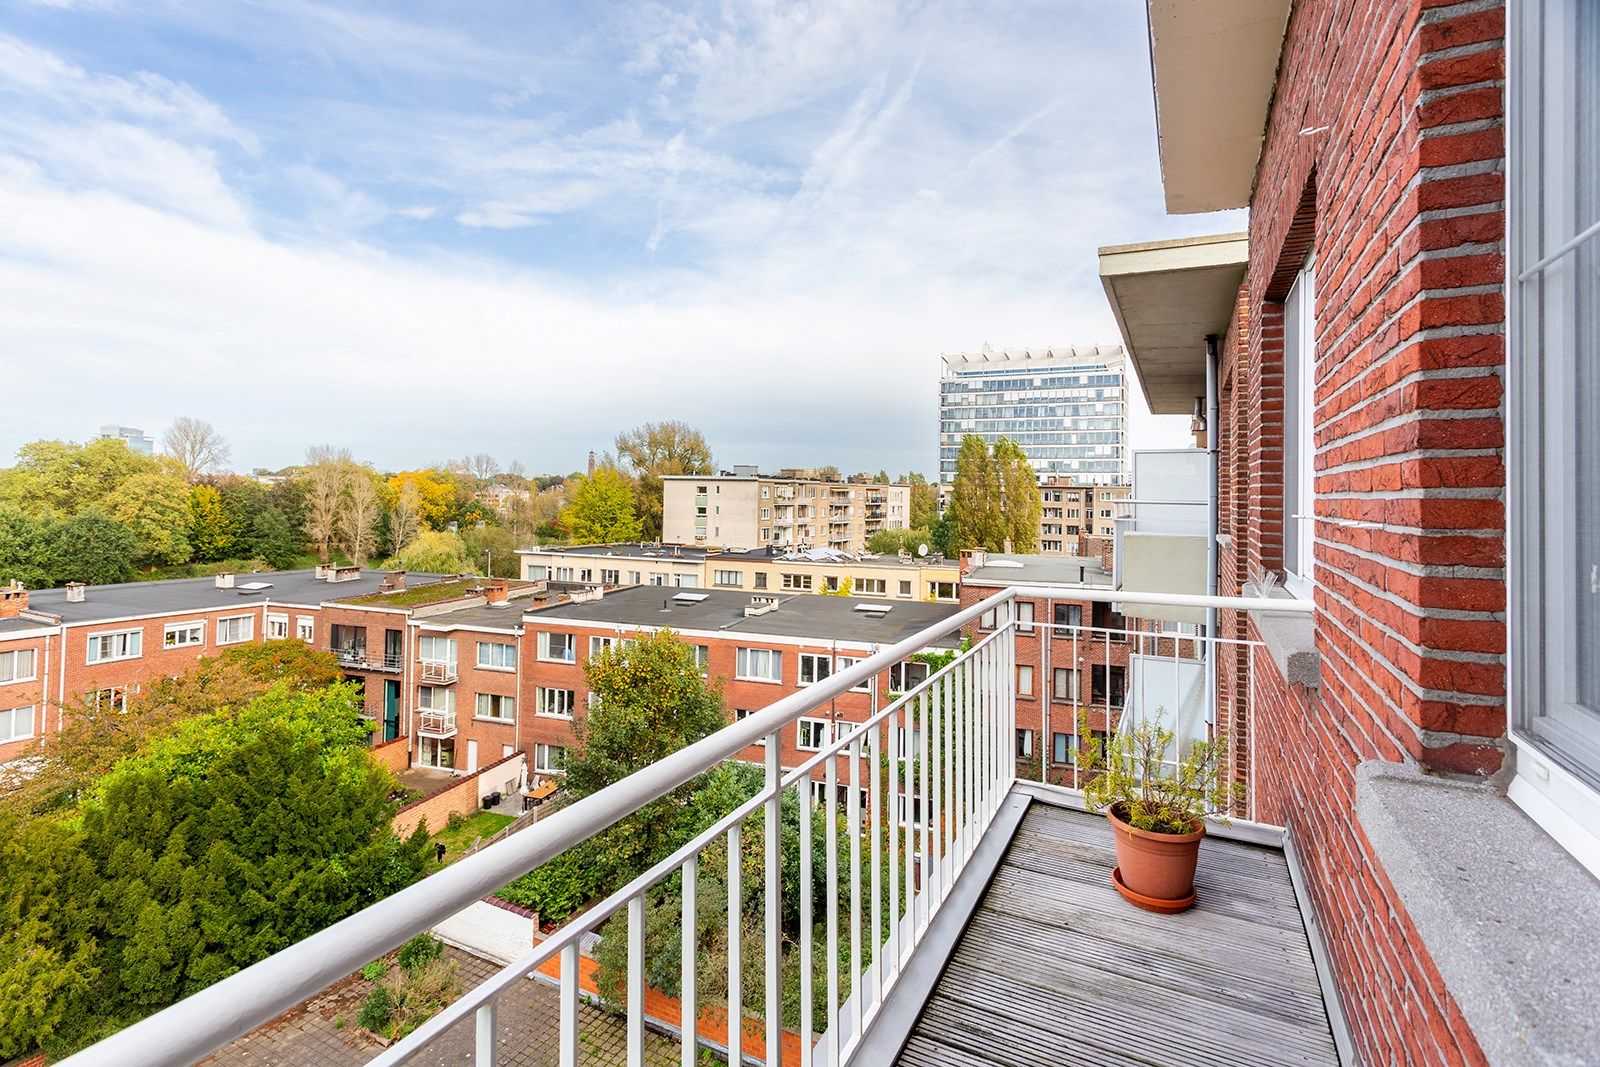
x=1041, y=570
x=624, y=550
x=134, y=599
x=808, y=615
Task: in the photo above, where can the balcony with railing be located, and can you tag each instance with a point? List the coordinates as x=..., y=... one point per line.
x=357, y=658
x=946, y=911
x=437, y=671
x=436, y=722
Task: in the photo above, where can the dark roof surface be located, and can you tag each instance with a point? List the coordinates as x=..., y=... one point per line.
x=800, y=615
x=1041, y=570
x=131, y=599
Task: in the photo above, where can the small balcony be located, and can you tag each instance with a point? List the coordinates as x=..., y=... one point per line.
x=357, y=658
x=437, y=672
x=436, y=722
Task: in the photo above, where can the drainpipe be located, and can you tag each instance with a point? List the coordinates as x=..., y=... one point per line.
x=1213, y=420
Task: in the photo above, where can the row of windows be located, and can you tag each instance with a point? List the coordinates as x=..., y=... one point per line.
x=114, y=645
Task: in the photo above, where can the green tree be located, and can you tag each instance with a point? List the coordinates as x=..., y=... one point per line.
x=155, y=508
x=62, y=478
x=435, y=552
x=924, y=501
x=273, y=538
x=91, y=547
x=25, y=549
x=231, y=836
x=657, y=450
x=601, y=509
x=975, y=504
x=1020, y=503
x=439, y=495
x=213, y=534
x=491, y=545
x=243, y=501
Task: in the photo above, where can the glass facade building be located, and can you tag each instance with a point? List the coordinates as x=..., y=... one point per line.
x=1066, y=407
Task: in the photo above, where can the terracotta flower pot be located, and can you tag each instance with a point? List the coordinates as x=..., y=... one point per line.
x=1155, y=871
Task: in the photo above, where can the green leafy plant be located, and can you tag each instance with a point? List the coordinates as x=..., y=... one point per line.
x=376, y=1010
x=419, y=952
x=375, y=970
x=1140, y=775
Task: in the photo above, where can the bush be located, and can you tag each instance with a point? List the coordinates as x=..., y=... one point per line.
x=419, y=952
x=377, y=1010
x=456, y=821
x=375, y=970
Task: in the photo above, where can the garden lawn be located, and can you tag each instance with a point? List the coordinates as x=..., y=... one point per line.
x=457, y=840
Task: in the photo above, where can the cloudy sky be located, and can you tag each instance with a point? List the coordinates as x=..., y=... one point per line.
x=420, y=230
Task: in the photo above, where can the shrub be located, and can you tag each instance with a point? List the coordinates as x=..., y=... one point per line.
x=375, y=970
x=456, y=821
x=1152, y=784
x=377, y=1010
x=419, y=952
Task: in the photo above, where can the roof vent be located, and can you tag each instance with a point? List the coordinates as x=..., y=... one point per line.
x=690, y=598
x=75, y=592
x=225, y=581
x=252, y=587
x=761, y=605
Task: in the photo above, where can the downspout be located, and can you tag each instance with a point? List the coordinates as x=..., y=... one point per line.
x=1213, y=421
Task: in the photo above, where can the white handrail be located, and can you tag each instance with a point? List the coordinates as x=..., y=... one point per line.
x=202, y=1023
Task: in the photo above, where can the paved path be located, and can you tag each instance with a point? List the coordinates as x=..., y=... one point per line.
x=529, y=1013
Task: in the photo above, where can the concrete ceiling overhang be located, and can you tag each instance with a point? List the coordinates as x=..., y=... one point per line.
x=1167, y=296
x=1214, y=63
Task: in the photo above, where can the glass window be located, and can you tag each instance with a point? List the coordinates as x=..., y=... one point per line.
x=551, y=759
x=18, y=666
x=1069, y=615
x=305, y=628
x=1024, y=680
x=436, y=698
x=702, y=658
x=1024, y=616
x=184, y=634
x=124, y=644
x=1554, y=367
x=864, y=686
x=759, y=664
x=1299, y=448
x=436, y=649
x=497, y=655
x=277, y=627
x=16, y=723
x=814, y=668
x=811, y=734
x=728, y=578
x=1065, y=686
x=494, y=706
x=1063, y=748
x=559, y=648
x=553, y=702
x=1024, y=744
x=236, y=629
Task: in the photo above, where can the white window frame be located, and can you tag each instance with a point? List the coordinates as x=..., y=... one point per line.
x=728, y=579
x=548, y=697
x=189, y=634
x=1553, y=589
x=246, y=625
x=115, y=697
x=13, y=657
x=702, y=659
x=941, y=590
x=746, y=660
x=812, y=734
x=543, y=762
x=1299, y=429
x=432, y=649
x=427, y=695
x=305, y=628
x=490, y=651
x=841, y=662
x=543, y=644
x=277, y=627
x=9, y=716
x=809, y=663
x=871, y=587
x=491, y=700
x=124, y=644
x=796, y=582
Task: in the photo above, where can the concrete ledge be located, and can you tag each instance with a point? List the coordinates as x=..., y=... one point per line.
x=1509, y=918
x=1291, y=641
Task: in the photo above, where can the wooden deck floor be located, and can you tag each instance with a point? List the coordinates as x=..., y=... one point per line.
x=1056, y=969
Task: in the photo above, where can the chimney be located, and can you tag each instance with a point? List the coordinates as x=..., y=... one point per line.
x=13, y=600
x=75, y=592
x=1107, y=548
x=497, y=590
x=591, y=463
x=225, y=581
x=324, y=571
x=393, y=582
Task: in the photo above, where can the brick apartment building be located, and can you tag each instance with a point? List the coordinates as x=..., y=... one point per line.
x=1353, y=350
x=61, y=647
x=755, y=653
x=743, y=508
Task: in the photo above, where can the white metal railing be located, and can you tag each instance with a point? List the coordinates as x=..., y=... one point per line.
x=912, y=823
x=436, y=722
x=358, y=658
x=437, y=671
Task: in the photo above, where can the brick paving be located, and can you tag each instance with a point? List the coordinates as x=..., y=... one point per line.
x=528, y=1016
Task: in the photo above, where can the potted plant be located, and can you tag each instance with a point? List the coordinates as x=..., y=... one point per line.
x=1156, y=799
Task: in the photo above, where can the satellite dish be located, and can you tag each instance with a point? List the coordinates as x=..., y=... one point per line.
x=922, y=550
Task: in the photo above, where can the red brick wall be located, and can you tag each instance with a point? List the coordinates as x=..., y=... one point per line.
x=375, y=622
x=1405, y=187
x=491, y=735
x=392, y=754
x=21, y=694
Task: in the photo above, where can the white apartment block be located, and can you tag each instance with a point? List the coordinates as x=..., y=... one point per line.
x=790, y=510
x=1066, y=407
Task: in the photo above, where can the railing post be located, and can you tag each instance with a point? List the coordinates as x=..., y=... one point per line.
x=569, y=1006
x=636, y=981
x=486, y=1035
x=689, y=1016
x=735, y=963
x=772, y=850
